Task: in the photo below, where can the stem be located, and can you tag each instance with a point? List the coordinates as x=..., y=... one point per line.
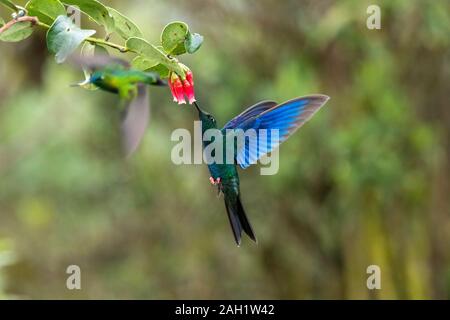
x=33, y=20
x=107, y=43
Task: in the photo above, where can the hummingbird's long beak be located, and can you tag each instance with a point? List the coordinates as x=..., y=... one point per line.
x=198, y=108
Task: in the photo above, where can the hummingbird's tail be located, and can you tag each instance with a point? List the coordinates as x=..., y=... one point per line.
x=238, y=218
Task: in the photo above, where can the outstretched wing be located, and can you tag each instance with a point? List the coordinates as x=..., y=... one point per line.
x=280, y=122
x=249, y=113
x=135, y=120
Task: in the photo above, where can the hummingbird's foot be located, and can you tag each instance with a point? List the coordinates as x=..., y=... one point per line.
x=214, y=182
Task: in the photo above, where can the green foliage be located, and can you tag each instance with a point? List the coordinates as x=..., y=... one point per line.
x=18, y=32
x=152, y=56
x=193, y=42
x=176, y=39
x=173, y=37
x=143, y=64
x=64, y=37
x=45, y=10
x=96, y=11
x=124, y=26
x=147, y=51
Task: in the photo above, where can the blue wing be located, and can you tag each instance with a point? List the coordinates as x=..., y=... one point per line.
x=249, y=113
x=280, y=122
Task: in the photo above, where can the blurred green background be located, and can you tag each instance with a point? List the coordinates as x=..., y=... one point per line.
x=365, y=182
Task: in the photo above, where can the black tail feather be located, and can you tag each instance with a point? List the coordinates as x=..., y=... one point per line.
x=238, y=219
x=244, y=221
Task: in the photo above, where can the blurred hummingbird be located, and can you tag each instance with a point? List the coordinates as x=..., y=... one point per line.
x=285, y=118
x=115, y=75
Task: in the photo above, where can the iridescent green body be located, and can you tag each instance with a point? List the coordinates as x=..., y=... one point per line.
x=122, y=81
x=227, y=172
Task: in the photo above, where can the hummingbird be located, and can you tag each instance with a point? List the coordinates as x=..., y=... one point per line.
x=116, y=76
x=285, y=118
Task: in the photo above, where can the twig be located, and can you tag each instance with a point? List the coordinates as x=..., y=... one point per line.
x=33, y=20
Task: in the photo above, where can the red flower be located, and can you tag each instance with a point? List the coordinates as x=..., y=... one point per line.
x=189, y=86
x=182, y=87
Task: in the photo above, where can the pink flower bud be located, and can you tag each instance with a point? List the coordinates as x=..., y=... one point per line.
x=172, y=90
x=189, y=91
x=190, y=77
x=179, y=91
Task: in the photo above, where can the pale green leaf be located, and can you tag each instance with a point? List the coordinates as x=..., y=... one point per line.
x=152, y=53
x=96, y=11
x=174, y=35
x=64, y=37
x=45, y=10
x=145, y=49
x=144, y=64
x=124, y=26
x=162, y=70
x=193, y=42
x=141, y=63
x=17, y=32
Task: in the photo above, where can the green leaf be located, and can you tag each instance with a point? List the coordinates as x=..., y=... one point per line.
x=9, y=4
x=64, y=37
x=96, y=11
x=161, y=69
x=145, y=49
x=141, y=63
x=193, y=42
x=173, y=35
x=18, y=32
x=152, y=53
x=45, y=10
x=124, y=26
x=2, y=22
x=179, y=49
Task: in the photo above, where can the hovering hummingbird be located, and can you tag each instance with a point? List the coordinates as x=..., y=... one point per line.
x=115, y=75
x=286, y=118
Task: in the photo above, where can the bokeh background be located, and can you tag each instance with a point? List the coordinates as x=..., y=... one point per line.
x=365, y=182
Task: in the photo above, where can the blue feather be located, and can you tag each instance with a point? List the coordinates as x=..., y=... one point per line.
x=286, y=118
